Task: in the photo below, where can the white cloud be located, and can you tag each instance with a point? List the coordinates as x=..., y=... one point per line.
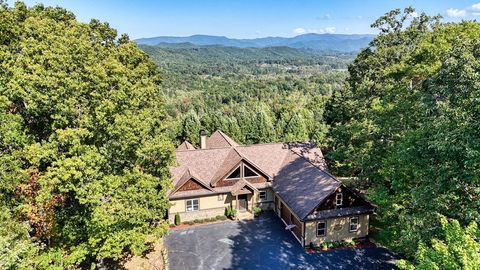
x=329, y=30
x=476, y=6
x=324, y=17
x=300, y=30
x=455, y=13
x=476, y=13
x=414, y=14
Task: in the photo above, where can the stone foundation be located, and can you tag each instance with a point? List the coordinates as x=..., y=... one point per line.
x=200, y=214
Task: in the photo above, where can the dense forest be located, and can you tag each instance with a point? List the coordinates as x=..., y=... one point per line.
x=256, y=95
x=89, y=121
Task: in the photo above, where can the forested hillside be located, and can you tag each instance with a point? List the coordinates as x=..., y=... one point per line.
x=255, y=95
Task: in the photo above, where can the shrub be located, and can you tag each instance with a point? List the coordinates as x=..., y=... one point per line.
x=197, y=221
x=177, y=219
x=257, y=210
x=230, y=212
x=188, y=222
x=219, y=217
x=222, y=218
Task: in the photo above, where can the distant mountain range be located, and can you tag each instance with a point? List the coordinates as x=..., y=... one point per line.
x=323, y=42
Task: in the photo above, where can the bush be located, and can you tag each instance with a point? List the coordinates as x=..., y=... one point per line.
x=257, y=210
x=197, y=221
x=230, y=212
x=177, y=219
x=219, y=217
x=189, y=222
x=223, y=218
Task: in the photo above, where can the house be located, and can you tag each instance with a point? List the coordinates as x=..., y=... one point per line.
x=289, y=178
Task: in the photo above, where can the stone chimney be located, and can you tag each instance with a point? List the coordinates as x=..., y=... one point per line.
x=203, y=139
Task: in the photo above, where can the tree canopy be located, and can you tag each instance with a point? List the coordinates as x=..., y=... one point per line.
x=407, y=124
x=84, y=154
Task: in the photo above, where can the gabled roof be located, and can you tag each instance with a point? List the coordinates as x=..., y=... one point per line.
x=185, y=146
x=187, y=176
x=240, y=185
x=302, y=185
x=220, y=140
x=298, y=169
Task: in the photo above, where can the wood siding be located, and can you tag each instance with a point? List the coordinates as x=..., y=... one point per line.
x=298, y=227
x=190, y=185
x=349, y=200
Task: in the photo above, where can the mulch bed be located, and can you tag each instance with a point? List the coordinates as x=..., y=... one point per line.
x=365, y=245
x=183, y=226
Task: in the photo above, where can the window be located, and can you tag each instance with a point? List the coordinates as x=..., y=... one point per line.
x=249, y=172
x=220, y=197
x=262, y=195
x=339, y=199
x=192, y=205
x=353, y=224
x=321, y=228
x=235, y=174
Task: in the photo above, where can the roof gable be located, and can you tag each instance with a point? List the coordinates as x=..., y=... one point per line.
x=186, y=177
x=185, y=146
x=220, y=140
x=302, y=185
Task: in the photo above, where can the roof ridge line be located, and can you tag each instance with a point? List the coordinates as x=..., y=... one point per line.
x=329, y=174
x=199, y=149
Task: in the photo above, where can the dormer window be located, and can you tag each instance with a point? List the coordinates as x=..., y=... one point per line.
x=339, y=199
x=235, y=174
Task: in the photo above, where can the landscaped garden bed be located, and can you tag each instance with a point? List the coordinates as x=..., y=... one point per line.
x=195, y=222
x=327, y=246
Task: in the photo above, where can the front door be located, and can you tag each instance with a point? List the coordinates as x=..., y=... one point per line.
x=242, y=203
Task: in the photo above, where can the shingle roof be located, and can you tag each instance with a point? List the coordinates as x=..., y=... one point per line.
x=220, y=140
x=185, y=146
x=298, y=170
x=302, y=185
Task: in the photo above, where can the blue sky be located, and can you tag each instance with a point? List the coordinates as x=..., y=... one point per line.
x=250, y=19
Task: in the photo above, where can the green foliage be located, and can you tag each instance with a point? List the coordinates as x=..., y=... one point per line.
x=230, y=212
x=253, y=95
x=406, y=124
x=459, y=249
x=257, y=210
x=84, y=152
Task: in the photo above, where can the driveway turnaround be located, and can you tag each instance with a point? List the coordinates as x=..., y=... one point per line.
x=261, y=243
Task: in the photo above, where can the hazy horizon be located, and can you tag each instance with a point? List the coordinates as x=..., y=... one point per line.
x=251, y=19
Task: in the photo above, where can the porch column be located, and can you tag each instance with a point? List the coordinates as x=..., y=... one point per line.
x=236, y=206
x=238, y=211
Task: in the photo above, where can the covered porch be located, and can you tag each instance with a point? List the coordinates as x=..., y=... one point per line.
x=245, y=197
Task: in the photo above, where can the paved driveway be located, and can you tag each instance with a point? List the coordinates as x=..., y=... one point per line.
x=260, y=244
